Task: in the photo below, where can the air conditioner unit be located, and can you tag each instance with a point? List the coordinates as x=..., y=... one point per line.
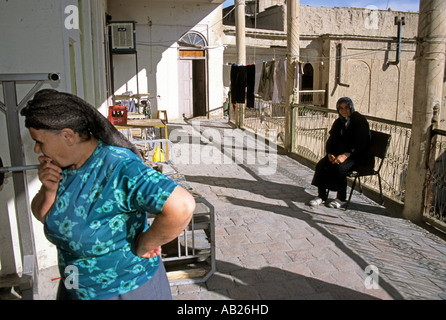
x=122, y=35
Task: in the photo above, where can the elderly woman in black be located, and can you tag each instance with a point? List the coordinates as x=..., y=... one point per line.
x=346, y=146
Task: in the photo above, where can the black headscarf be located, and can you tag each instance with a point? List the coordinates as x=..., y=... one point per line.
x=349, y=103
x=53, y=110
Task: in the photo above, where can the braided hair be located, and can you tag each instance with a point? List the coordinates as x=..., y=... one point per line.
x=53, y=110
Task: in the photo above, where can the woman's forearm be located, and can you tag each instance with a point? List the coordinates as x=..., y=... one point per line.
x=42, y=203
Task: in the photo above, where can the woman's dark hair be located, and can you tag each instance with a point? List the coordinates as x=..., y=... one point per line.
x=53, y=110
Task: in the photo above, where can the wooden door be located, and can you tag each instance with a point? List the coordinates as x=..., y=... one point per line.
x=185, y=88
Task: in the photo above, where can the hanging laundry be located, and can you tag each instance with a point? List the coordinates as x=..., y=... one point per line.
x=266, y=84
x=227, y=75
x=301, y=67
x=259, y=70
x=263, y=81
x=238, y=84
x=250, y=84
x=279, y=90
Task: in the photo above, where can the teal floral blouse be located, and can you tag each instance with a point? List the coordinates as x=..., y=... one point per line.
x=99, y=210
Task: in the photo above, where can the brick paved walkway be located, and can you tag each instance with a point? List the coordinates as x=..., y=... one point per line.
x=271, y=245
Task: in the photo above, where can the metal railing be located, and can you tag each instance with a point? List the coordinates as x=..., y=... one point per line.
x=266, y=117
x=312, y=97
x=435, y=202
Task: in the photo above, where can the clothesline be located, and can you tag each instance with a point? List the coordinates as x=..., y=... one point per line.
x=269, y=82
x=322, y=59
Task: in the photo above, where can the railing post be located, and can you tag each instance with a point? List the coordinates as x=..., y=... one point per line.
x=294, y=109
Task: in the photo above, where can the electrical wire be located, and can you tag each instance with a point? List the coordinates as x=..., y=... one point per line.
x=318, y=59
x=161, y=43
x=313, y=59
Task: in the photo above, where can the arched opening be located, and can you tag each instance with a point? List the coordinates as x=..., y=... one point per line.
x=307, y=77
x=307, y=83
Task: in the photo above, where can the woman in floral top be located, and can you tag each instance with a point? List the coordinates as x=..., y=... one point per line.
x=93, y=202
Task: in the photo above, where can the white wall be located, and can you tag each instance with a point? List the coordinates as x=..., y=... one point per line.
x=215, y=59
x=159, y=24
x=37, y=41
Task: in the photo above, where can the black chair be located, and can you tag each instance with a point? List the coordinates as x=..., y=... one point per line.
x=378, y=148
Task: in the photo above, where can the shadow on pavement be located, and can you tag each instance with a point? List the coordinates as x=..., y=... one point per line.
x=271, y=283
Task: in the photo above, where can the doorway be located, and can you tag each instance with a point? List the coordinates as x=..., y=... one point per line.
x=193, y=100
x=199, y=87
x=307, y=77
x=192, y=86
x=307, y=84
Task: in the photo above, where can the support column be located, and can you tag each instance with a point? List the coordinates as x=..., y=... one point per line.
x=292, y=53
x=241, y=51
x=428, y=86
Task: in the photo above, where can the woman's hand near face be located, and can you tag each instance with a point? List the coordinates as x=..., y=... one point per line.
x=49, y=175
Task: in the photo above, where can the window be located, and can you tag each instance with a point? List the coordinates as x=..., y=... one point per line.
x=193, y=40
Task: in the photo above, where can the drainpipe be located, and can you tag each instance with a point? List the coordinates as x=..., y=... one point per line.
x=428, y=92
x=400, y=22
x=339, y=65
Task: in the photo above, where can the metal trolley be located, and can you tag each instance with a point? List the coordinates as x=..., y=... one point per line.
x=190, y=258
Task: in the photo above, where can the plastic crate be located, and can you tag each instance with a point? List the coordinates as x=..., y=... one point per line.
x=117, y=115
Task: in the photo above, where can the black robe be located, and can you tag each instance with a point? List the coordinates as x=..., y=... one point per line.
x=354, y=139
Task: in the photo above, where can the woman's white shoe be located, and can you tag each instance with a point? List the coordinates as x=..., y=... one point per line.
x=336, y=204
x=315, y=202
